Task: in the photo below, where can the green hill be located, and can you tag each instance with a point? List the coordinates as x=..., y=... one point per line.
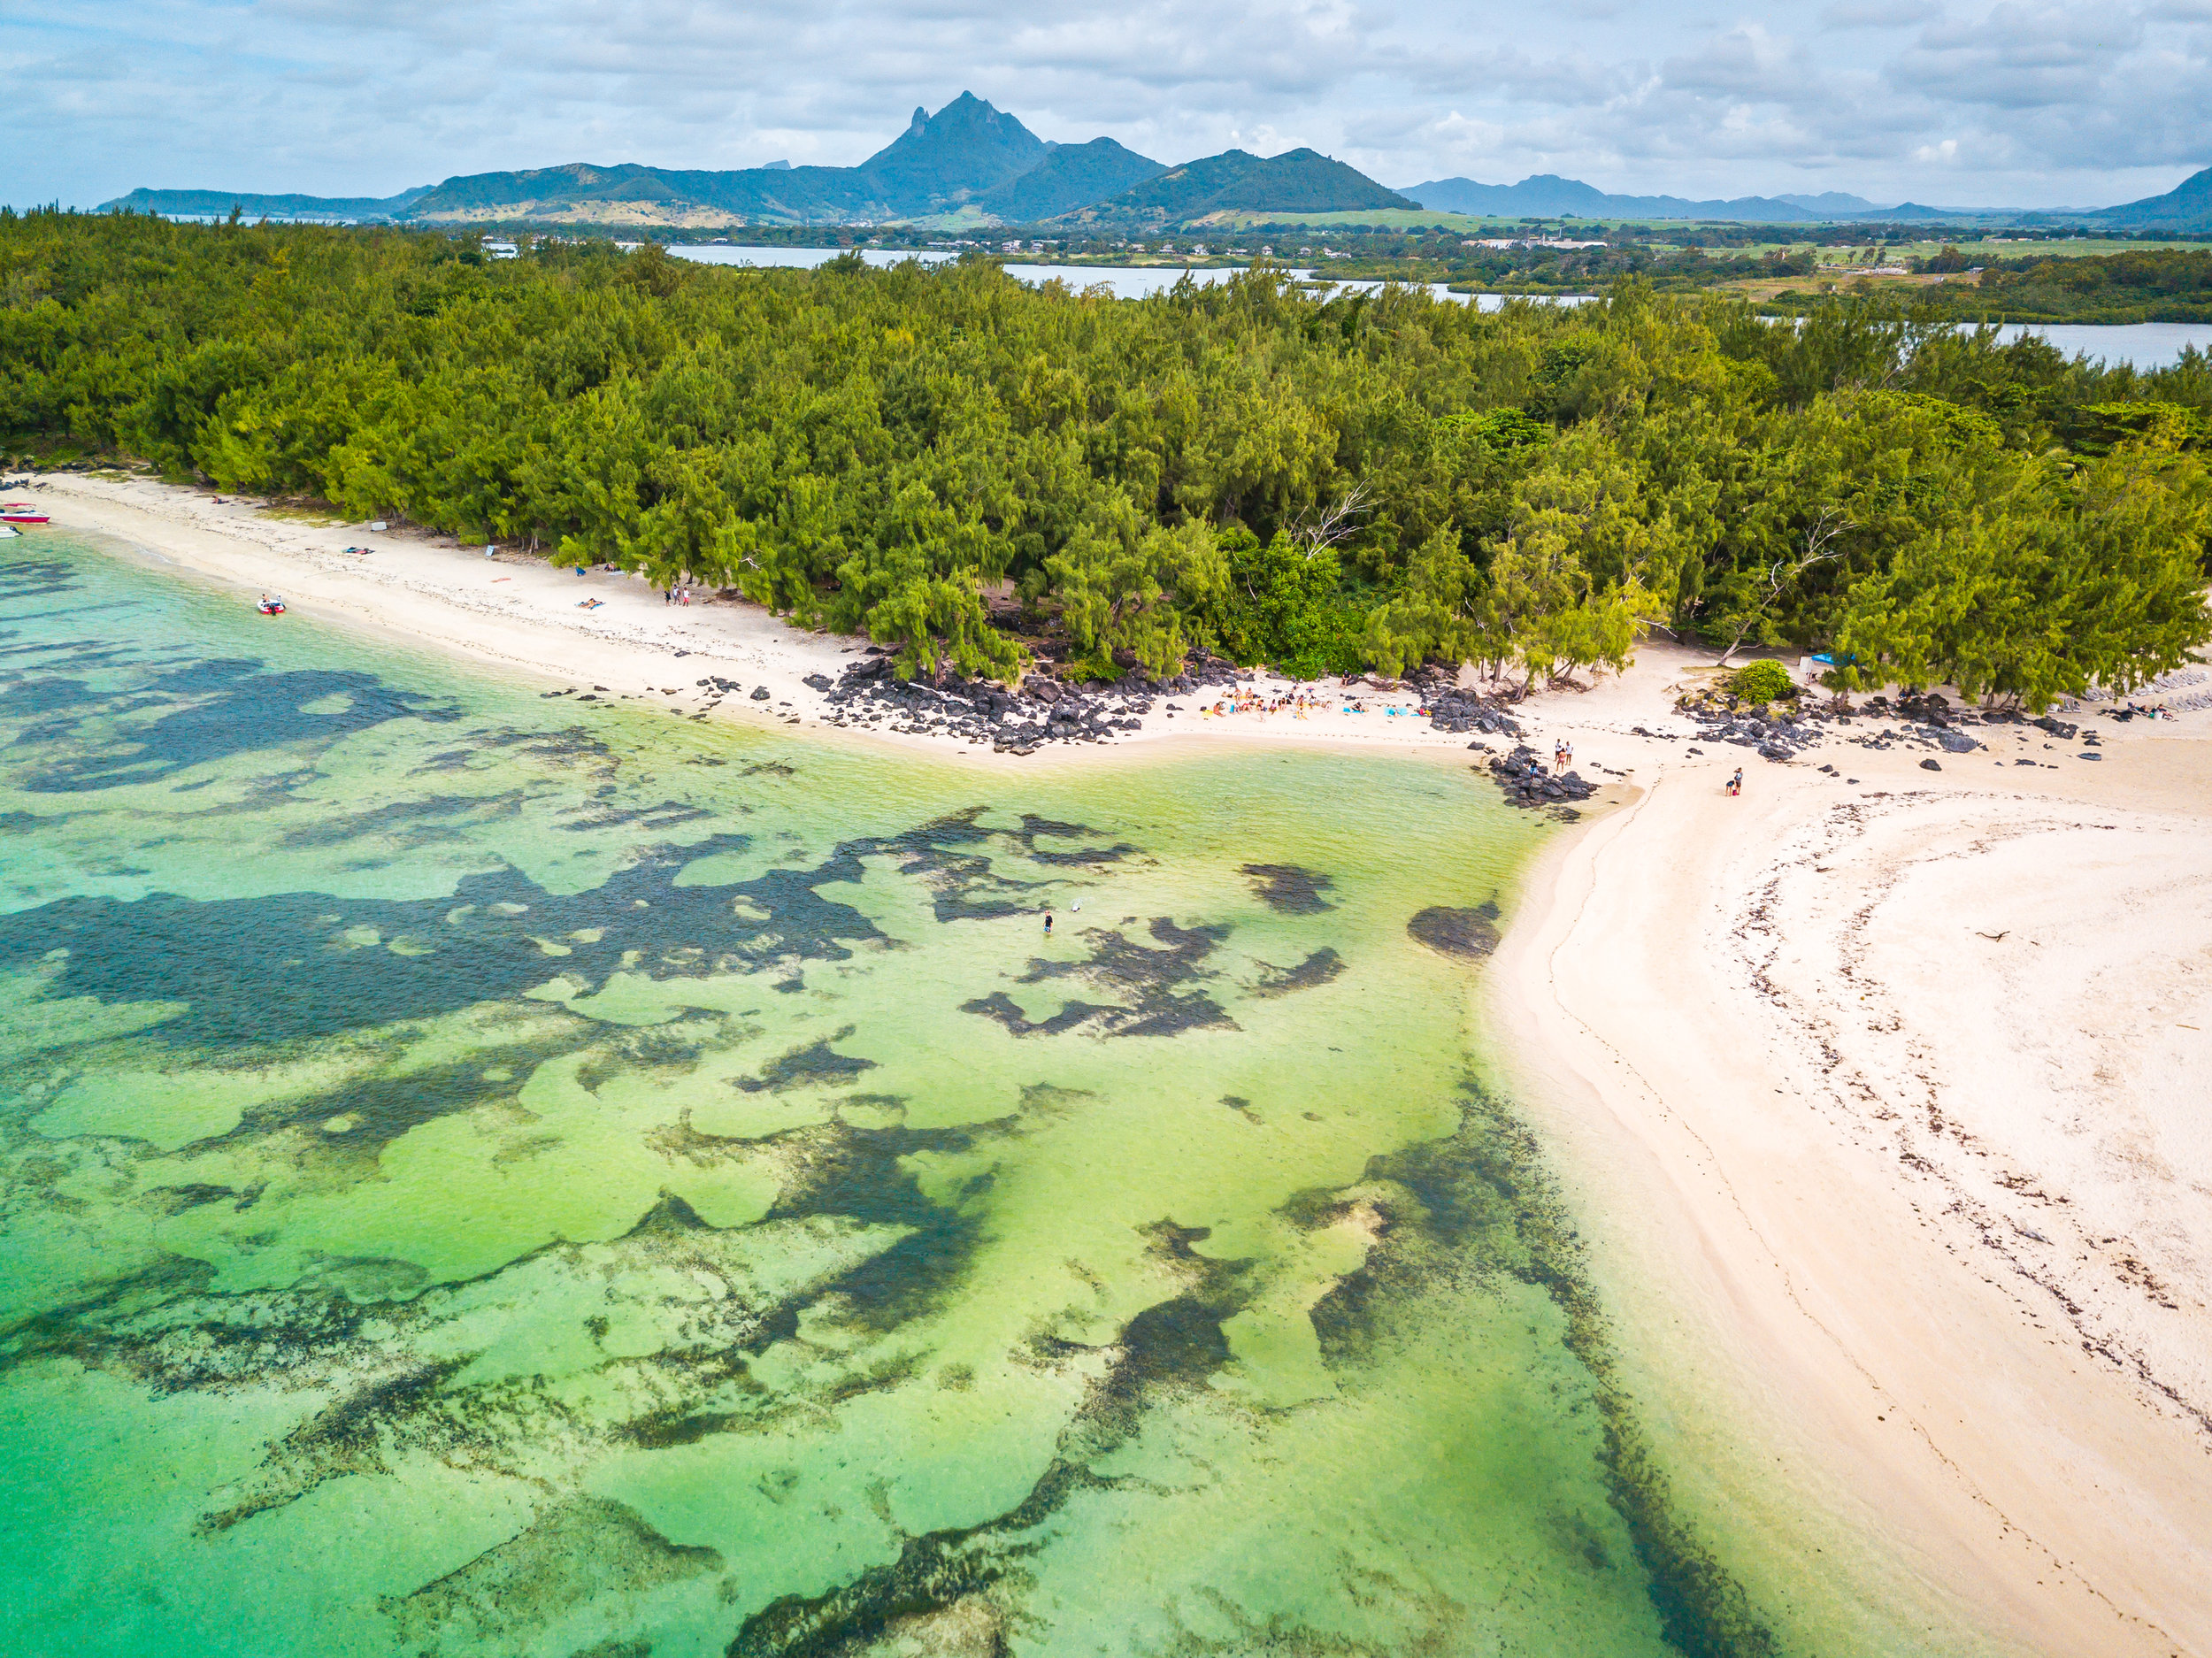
x=572, y=181
x=2187, y=206
x=1073, y=176
x=1299, y=182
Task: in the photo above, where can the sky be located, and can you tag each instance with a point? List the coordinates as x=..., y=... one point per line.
x=1954, y=102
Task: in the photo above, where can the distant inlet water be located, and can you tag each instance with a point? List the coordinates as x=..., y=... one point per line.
x=1124, y=281
x=2141, y=345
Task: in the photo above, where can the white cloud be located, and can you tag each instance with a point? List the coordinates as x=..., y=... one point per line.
x=1879, y=14
x=2027, y=101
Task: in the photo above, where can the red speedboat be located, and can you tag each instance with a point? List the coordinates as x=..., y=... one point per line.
x=21, y=512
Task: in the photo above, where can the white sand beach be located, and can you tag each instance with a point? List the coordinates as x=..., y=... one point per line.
x=1886, y=1089
x=517, y=610
x=1890, y=1106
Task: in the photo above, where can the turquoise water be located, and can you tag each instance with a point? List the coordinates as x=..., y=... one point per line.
x=489, y=1174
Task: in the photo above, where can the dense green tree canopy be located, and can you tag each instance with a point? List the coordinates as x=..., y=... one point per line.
x=958, y=464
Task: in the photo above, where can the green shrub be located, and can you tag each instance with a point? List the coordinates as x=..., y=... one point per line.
x=1282, y=605
x=1762, y=682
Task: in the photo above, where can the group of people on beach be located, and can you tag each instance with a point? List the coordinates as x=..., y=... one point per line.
x=1298, y=704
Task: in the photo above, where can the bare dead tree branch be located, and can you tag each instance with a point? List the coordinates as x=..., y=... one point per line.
x=1333, y=525
x=1819, y=535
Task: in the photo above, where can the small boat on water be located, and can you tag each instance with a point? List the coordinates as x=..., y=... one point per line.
x=21, y=512
x=270, y=605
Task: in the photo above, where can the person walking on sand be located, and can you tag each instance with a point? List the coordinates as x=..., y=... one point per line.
x=1735, y=783
x=1566, y=755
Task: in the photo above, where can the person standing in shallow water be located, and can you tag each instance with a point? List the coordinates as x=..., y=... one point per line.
x=1047, y=924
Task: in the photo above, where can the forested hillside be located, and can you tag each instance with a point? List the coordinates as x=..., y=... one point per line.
x=1320, y=484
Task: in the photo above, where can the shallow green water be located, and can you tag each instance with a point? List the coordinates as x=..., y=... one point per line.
x=494, y=1174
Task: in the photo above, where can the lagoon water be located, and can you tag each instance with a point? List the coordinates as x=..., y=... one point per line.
x=492, y=1173
x=2143, y=345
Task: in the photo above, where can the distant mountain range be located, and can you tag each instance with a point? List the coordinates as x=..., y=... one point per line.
x=1547, y=195
x=217, y=204
x=1830, y=203
x=972, y=165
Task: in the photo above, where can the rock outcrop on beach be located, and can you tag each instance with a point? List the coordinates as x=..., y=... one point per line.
x=1525, y=782
x=1457, y=710
x=1043, y=709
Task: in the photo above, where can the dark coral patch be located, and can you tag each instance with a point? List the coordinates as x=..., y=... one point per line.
x=1317, y=968
x=1469, y=935
x=284, y=965
x=219, y=708
x=1149, y=980
x=817, y=1063
x=1287, y=887
x=1000, y=1006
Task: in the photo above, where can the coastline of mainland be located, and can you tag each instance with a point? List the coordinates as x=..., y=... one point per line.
x=1876, y=1095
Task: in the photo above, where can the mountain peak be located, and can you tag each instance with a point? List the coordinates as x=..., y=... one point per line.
x=964, y=148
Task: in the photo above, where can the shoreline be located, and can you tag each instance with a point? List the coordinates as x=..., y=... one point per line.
x=1830, y=1195
x=517, y=611
x=1873, y=1238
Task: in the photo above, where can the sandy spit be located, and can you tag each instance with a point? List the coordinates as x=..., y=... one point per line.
x=1886, y=1089
x=1892, y=1107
